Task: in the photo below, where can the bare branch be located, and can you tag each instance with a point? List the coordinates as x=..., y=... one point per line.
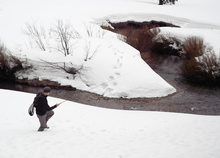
x=35, y=34
x=67, y=69
x=87, y=48
x=92, y=32
x=64, y=33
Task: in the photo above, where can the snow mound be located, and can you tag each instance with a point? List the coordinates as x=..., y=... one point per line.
x=105, y=65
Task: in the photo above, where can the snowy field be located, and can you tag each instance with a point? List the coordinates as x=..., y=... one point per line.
x=83, y=131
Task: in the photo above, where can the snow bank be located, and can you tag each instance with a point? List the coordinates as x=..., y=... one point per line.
x=210, y=36
x=106, y=65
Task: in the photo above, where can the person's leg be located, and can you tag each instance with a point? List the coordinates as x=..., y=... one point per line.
x=42, y=120
x=49, y=114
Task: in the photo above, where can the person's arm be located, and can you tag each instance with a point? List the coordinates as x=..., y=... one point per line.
x=53, y=107
x=44, y=105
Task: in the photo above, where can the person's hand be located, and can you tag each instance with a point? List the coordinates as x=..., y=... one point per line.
x=58, y=104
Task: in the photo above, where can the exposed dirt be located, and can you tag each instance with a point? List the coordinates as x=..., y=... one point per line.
x=137, y=25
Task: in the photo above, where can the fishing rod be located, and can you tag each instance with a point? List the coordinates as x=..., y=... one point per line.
x=62, y=102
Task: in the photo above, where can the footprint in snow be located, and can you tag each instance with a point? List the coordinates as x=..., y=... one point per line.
x=117, y=73
x=115, y=83
x=109, y=90
x=104, y=85
x=111, y=77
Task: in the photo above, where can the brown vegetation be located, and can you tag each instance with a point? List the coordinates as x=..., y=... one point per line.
x=201, y=64
x=9, y=64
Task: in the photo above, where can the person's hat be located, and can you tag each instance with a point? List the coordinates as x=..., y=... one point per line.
x=46, y=89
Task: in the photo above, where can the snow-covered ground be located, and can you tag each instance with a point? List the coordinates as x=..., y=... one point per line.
x=83, y=131
x=115, y=69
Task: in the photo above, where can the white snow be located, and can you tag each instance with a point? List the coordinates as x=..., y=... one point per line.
x=211, y=36
x=78, y=130
x=116, y=70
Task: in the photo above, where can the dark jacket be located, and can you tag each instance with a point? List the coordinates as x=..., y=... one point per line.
x=43, y=106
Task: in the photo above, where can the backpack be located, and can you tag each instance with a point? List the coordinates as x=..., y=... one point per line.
x=34, y=104
x=36, y=99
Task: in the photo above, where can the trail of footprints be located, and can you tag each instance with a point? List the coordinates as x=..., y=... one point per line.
x=112, y=79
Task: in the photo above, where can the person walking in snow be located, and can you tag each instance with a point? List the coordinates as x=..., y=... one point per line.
x=43, y=110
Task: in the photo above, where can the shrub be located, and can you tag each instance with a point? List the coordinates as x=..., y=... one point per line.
x=94, y=31
x=9, y=64
x=65, y=35
x=193, y=46
x=209, y=65
x=36, y=34
x=167, y=45
x=201, y=65
x=141, y=38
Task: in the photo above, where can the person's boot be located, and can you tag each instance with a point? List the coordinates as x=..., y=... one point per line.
x=41, y=129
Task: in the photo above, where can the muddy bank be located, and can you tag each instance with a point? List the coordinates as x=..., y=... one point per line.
x=42, y=83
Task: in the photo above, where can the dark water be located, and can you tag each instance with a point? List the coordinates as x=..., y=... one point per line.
x=188, y=98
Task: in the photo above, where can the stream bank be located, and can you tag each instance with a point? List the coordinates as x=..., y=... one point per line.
x=188, y=98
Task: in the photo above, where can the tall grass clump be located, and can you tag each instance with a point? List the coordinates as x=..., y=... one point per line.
x=201, y=65
x=193, y=47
